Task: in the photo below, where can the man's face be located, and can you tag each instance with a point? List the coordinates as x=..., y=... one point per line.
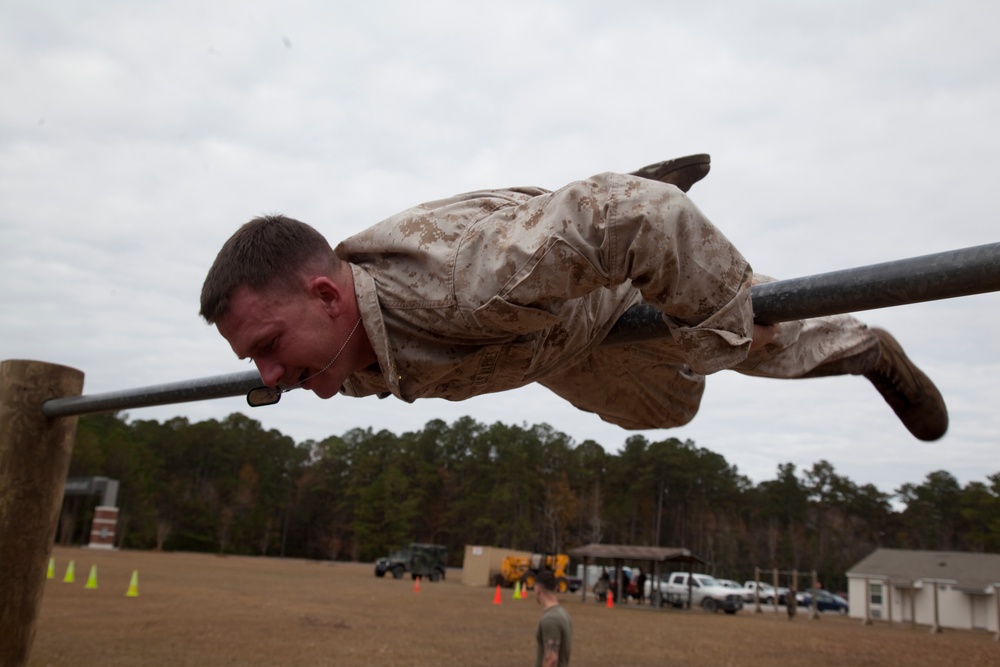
x=289, y=336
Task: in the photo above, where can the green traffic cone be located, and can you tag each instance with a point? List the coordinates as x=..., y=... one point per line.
x=133, y=587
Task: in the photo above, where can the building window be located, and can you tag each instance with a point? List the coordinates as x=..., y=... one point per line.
x=875, y=594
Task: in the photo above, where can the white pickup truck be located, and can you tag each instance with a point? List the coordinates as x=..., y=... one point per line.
x=705, y=591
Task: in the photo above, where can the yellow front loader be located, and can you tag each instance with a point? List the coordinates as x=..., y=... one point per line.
x=525, y=570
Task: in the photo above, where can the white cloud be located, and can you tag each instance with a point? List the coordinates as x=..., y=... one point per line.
x=134, y=138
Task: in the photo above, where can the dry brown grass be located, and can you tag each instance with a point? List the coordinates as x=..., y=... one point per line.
x=210, y=610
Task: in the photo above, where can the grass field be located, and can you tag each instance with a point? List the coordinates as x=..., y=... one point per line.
x=210, y=610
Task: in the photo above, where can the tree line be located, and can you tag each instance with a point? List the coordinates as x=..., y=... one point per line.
x=232, y=487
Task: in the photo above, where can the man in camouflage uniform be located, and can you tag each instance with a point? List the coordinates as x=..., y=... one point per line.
x=493, y=290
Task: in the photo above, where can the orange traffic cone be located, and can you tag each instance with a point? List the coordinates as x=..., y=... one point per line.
x=496, y=597
x=416, y=584
x=611, y=600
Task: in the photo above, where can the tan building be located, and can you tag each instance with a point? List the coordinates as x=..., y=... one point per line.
x=480, y=564
x=940, y=589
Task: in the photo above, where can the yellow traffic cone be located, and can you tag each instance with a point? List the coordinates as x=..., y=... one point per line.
x=133, y=587
x=517, y=590
x=92, y=579
x=68, y=579
x=52, y=569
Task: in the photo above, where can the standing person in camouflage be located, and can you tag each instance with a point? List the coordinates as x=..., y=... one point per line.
x=493, y=290
x=555, y=627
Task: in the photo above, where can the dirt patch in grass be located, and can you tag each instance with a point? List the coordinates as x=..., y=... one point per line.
x=202, y=610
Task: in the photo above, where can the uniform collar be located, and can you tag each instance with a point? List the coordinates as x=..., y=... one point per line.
x=371, y=318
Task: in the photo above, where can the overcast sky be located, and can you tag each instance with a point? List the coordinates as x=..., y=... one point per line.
x=135, y=137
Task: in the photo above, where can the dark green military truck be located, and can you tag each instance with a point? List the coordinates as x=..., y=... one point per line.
x=427, y=561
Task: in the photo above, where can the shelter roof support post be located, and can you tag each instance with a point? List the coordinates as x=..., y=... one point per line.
x=996, y=596
x=619, y=563
x=34, y=460
x=690, y=595
x=888, y=598
x=868, y=603
x=936, y=628
x=654, y=588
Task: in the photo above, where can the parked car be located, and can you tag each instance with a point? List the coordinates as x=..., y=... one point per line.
x=767, y=592
x=825, y=601
x=738, y=588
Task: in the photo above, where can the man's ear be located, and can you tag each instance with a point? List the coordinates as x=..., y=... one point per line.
x=328, y=292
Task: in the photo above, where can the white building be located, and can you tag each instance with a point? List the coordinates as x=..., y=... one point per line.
x=940, y=589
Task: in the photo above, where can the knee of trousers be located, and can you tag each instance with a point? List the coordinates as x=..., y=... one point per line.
x=633, y=396
x=638, y=421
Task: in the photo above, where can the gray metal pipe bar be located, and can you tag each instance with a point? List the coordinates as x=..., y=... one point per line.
x=942, y=275
x=185, y=391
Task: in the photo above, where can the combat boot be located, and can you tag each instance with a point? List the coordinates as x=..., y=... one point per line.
x=682, y=171
x=907, y=390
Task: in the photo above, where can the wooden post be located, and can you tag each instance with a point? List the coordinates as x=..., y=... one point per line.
x=34, y=460
x=756, y=590
x=814, y=611
x=775, y=573
x=791, y=599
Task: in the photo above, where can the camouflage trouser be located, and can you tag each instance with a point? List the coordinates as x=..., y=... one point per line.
x=647, y=385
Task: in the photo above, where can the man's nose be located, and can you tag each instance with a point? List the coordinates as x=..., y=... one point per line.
x=270, y=372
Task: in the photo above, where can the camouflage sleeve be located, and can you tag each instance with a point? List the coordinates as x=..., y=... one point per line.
x=611, y=229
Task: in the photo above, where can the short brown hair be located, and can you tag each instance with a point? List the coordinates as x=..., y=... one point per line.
x=265, y=253
x=547, y=580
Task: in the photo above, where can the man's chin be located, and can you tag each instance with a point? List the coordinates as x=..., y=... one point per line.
x=323, y=393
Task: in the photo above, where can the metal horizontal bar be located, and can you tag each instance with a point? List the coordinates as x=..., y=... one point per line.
x=942, y=275
x=185, y=391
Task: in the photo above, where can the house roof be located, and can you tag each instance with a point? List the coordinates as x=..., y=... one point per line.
x=972, y=572
x=626, y=552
